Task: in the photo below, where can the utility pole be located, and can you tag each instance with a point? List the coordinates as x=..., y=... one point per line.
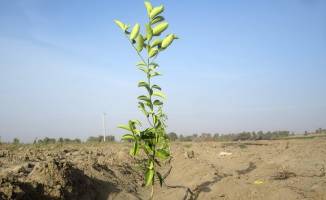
x=104, y=127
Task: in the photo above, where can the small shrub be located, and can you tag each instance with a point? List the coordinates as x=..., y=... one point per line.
x=153, y=141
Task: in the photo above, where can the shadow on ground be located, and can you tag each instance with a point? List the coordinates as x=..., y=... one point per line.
x=78, y=187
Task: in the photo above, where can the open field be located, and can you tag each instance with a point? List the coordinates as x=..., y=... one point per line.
x=280, y=169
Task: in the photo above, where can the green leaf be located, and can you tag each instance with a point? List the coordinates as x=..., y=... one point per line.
x=155, y=74
x=151, y=165
x=157, y=19
x=133, y=126
x=140, y=43
x=146, y=135
x=142, y=108
x=135, y=122
x=154, y=119
x=143, y=84
x=126, y=127
x=156, y=42
x=149, y=104
x=128, y=137
x=144, y=98
x=159, y=94
x=156, y=87
x=157, y=102
x=157, y=30
x=156, y=11
x=152, y=53
x=123, y=26
x=160, y=178
x=149, y=177
x=153, y=64
x=135, y=149
x=162, y=154
x=141, y=64
x=158, y=123
x=134, y=32
x=144, y=69
x=146, y=147
x=167, y=41
x=149, y=7
x=149, y=32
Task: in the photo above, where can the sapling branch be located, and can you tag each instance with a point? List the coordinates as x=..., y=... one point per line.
x=139, y=55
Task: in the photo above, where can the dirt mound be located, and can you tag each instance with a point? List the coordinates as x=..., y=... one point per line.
x=48, y=180
x=66, y=174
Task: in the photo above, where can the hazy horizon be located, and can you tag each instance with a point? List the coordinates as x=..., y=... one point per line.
x=238, y=66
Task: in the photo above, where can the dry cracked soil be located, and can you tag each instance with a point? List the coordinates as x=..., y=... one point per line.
x=269, y=170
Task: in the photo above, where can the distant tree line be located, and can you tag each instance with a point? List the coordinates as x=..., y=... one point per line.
x=60, y=140
x=318, y=131
x=48, y=140
x=260, y=135
x=100, y=138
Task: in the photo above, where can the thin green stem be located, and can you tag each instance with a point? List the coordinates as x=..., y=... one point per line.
x=140, y=56
x=150, y=123
x=143, y=60
x=151, y=117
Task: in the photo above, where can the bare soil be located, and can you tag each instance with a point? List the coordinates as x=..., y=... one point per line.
x=269, y=170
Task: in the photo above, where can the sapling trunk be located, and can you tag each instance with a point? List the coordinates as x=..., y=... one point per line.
x=153, y=141
x=152, y=192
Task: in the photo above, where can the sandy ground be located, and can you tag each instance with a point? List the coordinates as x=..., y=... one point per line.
x=269, y=170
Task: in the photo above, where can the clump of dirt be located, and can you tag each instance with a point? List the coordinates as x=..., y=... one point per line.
x=283, y=174
x=48, y=180
x=189, y=154
x=66, y=174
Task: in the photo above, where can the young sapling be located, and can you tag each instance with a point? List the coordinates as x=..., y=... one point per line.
x=152, y=140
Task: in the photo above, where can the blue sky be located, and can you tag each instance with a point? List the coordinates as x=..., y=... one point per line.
x=239, y=65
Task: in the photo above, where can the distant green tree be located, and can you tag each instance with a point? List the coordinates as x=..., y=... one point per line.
x=254, y=136
x=60, y=140
x=173, y=136
x=181, y=137
x=67, y=140
x=48, y=140
x=100, y=138
x=16, y=141
x=206, y=137
x=243, y=136
x=110, y=138
x=77, y=140
x=216, y=136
